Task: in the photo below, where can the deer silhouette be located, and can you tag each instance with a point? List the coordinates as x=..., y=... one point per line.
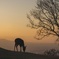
x=20, y=42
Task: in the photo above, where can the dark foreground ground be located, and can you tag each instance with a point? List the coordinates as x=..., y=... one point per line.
x=6, y=54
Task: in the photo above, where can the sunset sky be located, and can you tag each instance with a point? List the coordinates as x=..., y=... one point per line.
x=13, y=20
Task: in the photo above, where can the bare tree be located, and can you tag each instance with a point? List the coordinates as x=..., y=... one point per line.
x=45, y=18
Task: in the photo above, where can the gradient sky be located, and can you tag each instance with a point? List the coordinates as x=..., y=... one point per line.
x=13, y=20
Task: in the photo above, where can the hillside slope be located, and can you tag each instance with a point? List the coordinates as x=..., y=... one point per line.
x=6, y=54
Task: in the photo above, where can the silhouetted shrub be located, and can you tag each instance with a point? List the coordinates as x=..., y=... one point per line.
x=51, y=52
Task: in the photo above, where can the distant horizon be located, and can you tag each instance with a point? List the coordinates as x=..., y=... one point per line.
x=37, y=48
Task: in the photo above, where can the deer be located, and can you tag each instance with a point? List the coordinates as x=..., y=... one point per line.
x=20, y=42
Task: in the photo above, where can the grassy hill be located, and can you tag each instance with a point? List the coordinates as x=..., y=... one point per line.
x=6, y=54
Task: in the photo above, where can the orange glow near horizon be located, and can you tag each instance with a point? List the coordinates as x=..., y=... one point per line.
x=13, y=20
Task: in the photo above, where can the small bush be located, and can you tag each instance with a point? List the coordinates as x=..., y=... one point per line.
x=51, y=52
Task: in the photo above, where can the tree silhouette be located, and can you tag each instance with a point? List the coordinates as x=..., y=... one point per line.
x=45, y=18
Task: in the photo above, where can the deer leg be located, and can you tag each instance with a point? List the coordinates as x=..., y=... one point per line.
x=14, y=47
x=17, y=48
x=20, y=49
